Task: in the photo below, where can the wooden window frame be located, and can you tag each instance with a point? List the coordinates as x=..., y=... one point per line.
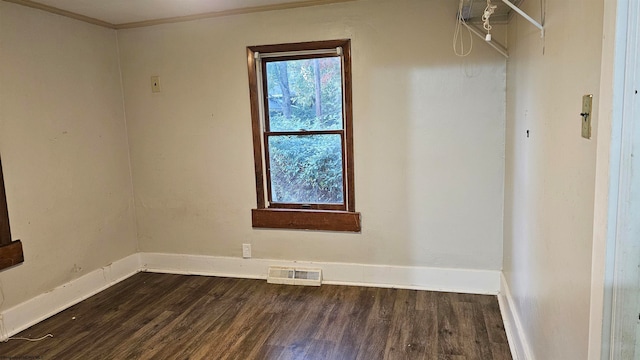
x=331, y=217
x=10, y=251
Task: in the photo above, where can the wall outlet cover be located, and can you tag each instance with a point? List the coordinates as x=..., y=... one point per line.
x=246, y=251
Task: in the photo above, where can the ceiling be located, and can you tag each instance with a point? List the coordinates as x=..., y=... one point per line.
x=133, y=13
x=119, y=12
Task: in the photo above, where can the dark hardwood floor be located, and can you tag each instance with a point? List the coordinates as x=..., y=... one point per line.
x=160, y=316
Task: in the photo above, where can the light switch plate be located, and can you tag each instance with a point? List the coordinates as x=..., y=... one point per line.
x=587, y=102
x=155, y=84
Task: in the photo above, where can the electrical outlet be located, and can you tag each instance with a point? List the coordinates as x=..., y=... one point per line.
x=246, y=251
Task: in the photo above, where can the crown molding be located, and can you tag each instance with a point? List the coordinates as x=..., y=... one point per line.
x=213, y=14
x=65, y=13
x=175, y=19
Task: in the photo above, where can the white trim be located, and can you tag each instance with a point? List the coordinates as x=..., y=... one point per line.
x=386, y=276
x=520, y=349
x=626, y=276
x=613, y=318
x=31, y=312
x=609, y=135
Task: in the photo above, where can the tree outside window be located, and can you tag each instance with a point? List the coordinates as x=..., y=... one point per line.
x=302, y=131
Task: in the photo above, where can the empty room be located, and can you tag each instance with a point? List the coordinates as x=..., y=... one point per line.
x=319, y=179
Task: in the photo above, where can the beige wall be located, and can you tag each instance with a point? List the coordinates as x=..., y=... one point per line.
x=550, y=177
x=64, y=150
x=429, y=136
x=429, y=141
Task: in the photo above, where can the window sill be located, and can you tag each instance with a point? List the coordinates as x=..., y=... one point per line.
x=306, y=219
x=11, y=254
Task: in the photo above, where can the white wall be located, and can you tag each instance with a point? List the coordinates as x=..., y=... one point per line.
x=64, y=150
x=550, y=176
x=429, y=136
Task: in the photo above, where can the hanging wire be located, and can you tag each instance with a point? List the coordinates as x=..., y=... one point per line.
x=488, y=11
x=458, y=40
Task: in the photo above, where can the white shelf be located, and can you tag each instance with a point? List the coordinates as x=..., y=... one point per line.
x=524, y=15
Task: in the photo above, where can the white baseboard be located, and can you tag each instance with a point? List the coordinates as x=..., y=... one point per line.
x=520, y=349
x=405, y=277
x=30, y=312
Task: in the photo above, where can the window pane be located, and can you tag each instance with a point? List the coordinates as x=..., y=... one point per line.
x=305, y=94
x=306, y=169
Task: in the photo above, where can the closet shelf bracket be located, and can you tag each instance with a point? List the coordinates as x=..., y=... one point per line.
x=497, y=46
x=524, y=14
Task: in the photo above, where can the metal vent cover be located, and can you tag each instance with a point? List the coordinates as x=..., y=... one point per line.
x=294, y=276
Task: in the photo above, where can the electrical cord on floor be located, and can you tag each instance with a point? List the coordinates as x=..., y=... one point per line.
x=30, y=339
x=3, y=331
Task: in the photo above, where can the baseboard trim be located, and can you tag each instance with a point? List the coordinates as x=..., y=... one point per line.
x=520, y=349
x=405, y=277
x=31, y=312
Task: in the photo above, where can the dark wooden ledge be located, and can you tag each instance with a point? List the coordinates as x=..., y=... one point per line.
x=10, y=251
x=11, y=254
x=306, y=219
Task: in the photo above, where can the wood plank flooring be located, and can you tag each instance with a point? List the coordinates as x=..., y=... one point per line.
x=161, y=316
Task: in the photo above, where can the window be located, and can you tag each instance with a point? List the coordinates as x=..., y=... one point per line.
x=10, y=251
x=303, y=135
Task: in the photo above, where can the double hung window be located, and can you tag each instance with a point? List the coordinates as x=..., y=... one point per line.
x=303, y=135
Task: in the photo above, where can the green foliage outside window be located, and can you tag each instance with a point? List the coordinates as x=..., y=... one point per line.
x=305, y=95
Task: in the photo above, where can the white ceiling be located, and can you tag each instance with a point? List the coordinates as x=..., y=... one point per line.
x=118, y=12
x=128, y=11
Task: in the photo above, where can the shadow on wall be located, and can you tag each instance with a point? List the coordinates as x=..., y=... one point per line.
x=439, y=171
